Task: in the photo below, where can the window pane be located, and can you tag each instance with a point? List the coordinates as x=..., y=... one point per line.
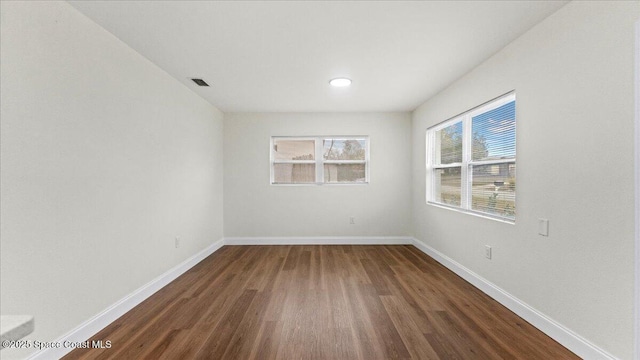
x=494, y=133
x=448, y=147
x=294, y=173
x=293, y=149
x=447, y=186
x=340, y=149
x=344, y=173
x=493, y=189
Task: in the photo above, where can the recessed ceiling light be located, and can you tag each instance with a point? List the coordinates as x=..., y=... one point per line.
x=340, y=82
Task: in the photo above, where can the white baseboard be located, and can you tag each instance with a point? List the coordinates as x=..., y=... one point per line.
x=92, y=326
x=556, y=331
x=321, y=240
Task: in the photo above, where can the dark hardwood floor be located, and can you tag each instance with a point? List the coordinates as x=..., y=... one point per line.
x=321, y=302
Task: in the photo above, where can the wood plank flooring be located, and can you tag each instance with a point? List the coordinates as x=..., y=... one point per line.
x=321, y=302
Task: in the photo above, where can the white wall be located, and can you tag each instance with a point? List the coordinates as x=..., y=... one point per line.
x=573, y=75
x=104, y=160
x=254, y=208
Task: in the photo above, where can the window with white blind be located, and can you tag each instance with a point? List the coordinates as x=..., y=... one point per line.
x=471, y=160
x=319, y=160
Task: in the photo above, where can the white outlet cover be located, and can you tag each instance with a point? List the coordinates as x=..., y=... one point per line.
x=487, y=251
x=543, y=227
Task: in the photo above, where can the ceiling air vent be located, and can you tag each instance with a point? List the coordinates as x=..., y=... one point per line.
x=200, y=82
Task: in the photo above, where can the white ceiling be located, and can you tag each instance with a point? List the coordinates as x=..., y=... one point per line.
x=279, y=56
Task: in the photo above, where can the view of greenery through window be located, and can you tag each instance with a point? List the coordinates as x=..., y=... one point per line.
x=335, y=151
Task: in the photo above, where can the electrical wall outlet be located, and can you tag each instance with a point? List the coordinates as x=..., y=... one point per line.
x=177, y=242
x=543, y=227
x=487, y=251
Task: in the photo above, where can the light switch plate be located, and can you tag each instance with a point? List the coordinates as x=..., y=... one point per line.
x=543, y=227
x=487, y=251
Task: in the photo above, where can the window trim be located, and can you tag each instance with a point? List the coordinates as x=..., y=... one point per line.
x=319, y=160
x=467, y=162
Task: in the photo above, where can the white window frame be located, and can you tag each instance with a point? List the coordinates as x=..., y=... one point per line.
x=319, y=159
x=466, y=176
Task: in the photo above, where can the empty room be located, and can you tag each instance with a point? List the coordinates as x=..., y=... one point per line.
x=320, y=179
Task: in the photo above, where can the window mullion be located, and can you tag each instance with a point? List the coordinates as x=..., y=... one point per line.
x=293, y=162
x=344, y=161
x=466, y=173
x=446, y=166
x=493, y=161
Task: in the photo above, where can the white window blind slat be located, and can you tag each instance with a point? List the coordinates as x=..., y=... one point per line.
x=494, y=133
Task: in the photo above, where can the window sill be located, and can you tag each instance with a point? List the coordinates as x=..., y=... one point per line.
x=471, y=212
x=321, y=184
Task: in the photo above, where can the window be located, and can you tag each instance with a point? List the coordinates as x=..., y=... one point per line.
x=320, y=160
x=471, y=160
